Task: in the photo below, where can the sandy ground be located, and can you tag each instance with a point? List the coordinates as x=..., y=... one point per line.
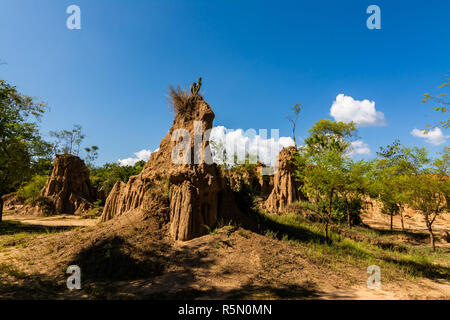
x=64, y=220
x=411, y=222
x=254, y=267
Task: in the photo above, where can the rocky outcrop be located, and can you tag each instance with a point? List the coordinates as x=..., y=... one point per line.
x=69, y=187
x=11, y=202
x=285, y=187
x=181, y=186
x=265, y=181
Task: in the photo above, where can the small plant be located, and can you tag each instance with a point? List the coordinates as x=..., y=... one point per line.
x=271, y=234
x=243, y=235
x=195, y=87
x=211, y=232
x=231, y=229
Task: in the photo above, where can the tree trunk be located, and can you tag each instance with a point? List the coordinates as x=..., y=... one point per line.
x=432, y=241
x=1, y=208
x=349, y=220
x=293, y=135
x=392, y=218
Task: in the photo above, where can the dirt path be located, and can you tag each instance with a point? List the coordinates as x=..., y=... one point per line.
x=55, y=221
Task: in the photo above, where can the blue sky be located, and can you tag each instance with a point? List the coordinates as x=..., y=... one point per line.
x=256, y=58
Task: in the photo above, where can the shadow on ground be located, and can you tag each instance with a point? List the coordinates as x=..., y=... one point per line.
x=11, y=227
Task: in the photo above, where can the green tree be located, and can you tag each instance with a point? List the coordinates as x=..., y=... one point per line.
x=91, y=155
x=68, y=141
x=353, y=187
x=106, y=176
x=391, y=171
x=429, y=192
x=326, y=135
x=325, y=171
x=21, y=145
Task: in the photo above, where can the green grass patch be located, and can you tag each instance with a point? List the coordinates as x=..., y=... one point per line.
x=410, y=263
x=15, y=233
x=11, y=271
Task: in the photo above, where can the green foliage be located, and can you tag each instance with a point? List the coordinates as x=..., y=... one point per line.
x=244, y=180
x=211, y=232
x=390, y=175
x=21, y=145
x=354, y=207
x=96, y=211
x=46, y=205
x=106, y=176
x=242, y=234
x=333, y=184
x=222, y=158
x=91, y=155
x=30, y=191
x=442, y=103
x=42, y=166
x=327, y=135
x=428, y=191
x=68, y=141
x=195, y=87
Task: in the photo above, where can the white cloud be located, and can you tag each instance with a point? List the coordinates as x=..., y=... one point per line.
x=241, y=143
x=140, y=155
x=434, y=136
x=358, y=147
x=363, y=113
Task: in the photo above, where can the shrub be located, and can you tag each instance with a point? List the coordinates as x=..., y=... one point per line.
x=46, y=205
x=340, y=210
x=106, y=176
x=30, y=191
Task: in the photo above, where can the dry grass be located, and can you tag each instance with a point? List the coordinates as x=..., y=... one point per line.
x=182, y=100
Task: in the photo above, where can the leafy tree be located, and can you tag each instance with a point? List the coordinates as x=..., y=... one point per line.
x=353, y=187
x=91, y=155
x=21, y=145
x=328, y=135
x=429, y=192
x=106, y=176
x=68, y=142
x=320, y=181
x=442, y=102
x=391, y=170
x=326, y=173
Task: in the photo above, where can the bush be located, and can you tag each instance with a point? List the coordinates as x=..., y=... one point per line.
x=340, y=211
x=46, y=205
x=105, y=177
x=30, y=191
